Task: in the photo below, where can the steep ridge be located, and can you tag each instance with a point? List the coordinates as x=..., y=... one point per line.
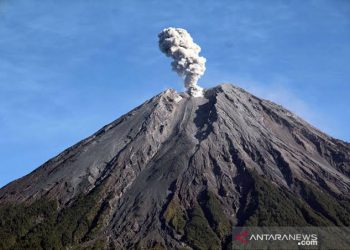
x=179, y=172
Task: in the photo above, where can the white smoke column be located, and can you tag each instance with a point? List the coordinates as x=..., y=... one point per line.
x=178, y=44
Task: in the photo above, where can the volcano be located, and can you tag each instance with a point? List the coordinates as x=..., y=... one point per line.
x=179, y=172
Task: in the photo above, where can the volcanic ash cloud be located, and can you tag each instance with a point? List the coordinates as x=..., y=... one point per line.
x=178, y=44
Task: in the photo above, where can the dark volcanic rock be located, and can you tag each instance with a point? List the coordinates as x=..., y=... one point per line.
x=179, y=171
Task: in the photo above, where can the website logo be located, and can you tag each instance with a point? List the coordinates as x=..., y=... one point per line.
x=242, y=237
x=283, y=238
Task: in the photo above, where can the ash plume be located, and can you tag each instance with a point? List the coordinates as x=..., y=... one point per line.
x=178, y=44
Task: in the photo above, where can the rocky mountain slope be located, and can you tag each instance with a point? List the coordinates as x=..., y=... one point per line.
x=178, y=172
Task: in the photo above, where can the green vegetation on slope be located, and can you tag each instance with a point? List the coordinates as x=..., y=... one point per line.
x=28, y=226
x=203, y=227
x=336, y=211
x=175, y=216
x=198, y=233
x=275, y=206
x=215, y=215
x=41, y=226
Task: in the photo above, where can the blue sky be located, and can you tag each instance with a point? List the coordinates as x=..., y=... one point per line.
x=69, y=67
